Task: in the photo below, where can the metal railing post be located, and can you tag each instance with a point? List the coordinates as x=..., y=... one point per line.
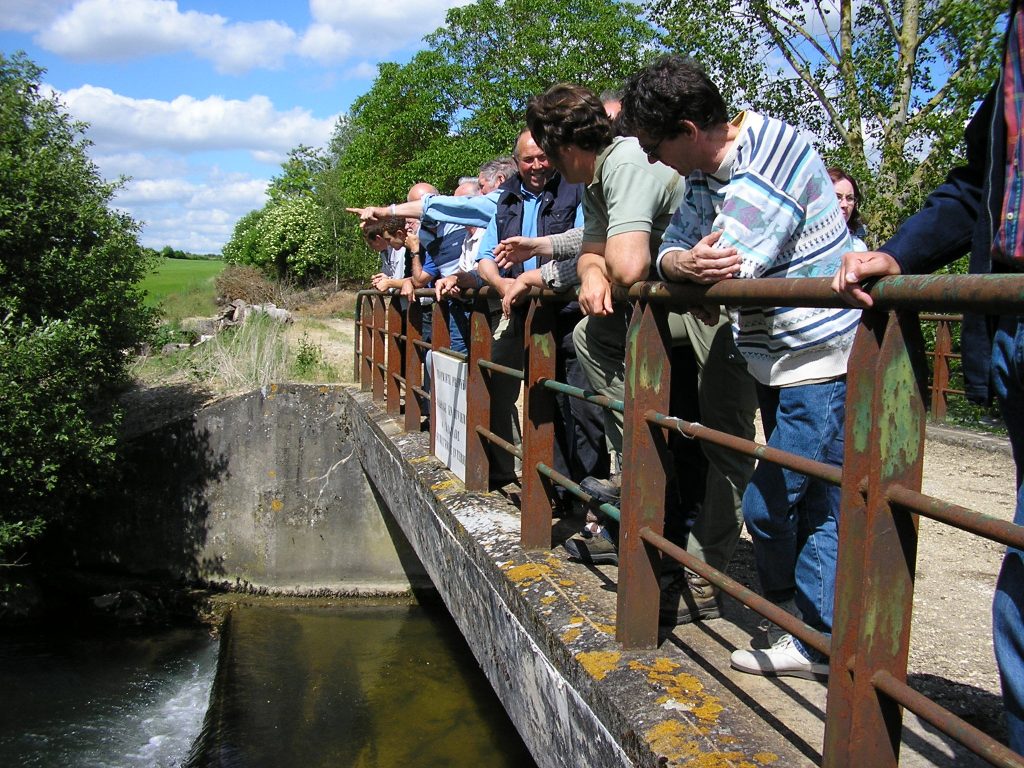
x=478, y=398
x=940, y=369
x=413, y=367
x=648, y=388
x=394, y=361
x=380, y=340
x=364, y=331
x=538, y=423
x=884, y=445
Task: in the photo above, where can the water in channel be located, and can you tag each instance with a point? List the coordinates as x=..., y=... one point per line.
x=362, y=684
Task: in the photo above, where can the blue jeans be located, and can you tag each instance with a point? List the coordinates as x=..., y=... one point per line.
x=1007, y=622
x=793, y=519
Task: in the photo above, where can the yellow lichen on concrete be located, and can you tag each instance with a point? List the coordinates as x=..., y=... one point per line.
x=528, y=573
x=571, y=635
x=682, y=691
x=598, y=663
x=765, y=758
x=548, y=599
x=566, y=583
x=276, y=505
x=443, y=485
x=271, y=473
x=420, y=459
x=681, y=745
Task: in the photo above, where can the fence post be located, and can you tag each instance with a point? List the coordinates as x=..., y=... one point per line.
x=395, y=368
x=364, y=359
x=940, y=369
x=884, y=445
x=478, y=398
x=538, y=424
x=644, y=454
x=413, y=367
x=380, y=340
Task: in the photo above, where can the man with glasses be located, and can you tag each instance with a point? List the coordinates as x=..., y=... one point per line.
x=760, y=204
x=627, y=205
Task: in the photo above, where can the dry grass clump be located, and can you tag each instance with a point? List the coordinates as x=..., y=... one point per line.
x=248, y=356
x=242, y=281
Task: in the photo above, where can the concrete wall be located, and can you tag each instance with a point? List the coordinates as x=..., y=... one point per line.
x=262, y=491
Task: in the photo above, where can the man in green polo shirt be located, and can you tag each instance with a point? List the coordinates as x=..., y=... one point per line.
x=627, y=206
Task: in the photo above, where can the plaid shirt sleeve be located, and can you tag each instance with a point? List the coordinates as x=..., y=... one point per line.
x=561, y=275
x=567, y=245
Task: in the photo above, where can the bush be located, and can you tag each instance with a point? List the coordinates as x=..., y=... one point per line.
x=70, y=307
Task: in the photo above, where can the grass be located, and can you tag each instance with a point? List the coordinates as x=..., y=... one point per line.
x=183, y=287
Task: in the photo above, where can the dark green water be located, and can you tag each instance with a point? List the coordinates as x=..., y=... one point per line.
x=362, y=685
x=359, y=685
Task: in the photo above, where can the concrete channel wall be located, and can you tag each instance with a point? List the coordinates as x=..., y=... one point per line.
x=262, y=492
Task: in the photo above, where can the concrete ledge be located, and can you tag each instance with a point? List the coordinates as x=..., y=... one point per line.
x=542, y=629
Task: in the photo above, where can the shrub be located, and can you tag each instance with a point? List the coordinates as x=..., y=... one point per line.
x=70, y=307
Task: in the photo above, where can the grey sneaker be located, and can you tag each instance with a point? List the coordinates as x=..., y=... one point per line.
x=688, y=598
x=783, y=659
x=596, y=549
x=604, y=491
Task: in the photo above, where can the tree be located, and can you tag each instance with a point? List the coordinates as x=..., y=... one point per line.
x=70, y=305
x=886, y=86
x=498, y=66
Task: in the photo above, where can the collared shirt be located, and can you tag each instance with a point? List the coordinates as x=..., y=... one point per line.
x=530, y=211
x=1008, y=245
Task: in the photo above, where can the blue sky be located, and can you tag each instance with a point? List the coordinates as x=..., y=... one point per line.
x=199, y=101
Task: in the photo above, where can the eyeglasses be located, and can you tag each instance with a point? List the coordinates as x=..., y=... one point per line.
x=652, y=151
x=846, y=198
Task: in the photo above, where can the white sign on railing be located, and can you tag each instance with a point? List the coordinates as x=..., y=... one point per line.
x=449, y=385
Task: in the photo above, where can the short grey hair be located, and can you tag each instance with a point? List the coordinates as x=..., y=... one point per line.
x=504, y=166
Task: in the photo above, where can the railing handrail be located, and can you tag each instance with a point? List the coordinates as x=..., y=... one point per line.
x=880, y=482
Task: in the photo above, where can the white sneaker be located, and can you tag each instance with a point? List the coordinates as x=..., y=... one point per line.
x=783, y=659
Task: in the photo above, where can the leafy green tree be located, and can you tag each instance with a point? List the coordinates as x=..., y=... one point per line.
x=246, y=245
x=70, y=305
x=498, y=66
x=299, y=173
x=887, y=86
x=292, y=239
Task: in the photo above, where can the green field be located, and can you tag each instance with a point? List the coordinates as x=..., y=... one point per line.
x=183, y=287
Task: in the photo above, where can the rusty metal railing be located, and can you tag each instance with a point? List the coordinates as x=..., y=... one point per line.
x=942, y=353
x=880, y=480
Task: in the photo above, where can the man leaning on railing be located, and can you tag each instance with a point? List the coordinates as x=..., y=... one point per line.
x=760, y=204
x=979, y=207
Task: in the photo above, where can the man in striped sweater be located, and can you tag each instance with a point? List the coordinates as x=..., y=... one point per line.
x=759, y=204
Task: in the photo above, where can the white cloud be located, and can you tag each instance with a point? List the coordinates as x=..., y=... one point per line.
x=364, y=70
x=189, y=124
x=122, y=30
x=29, y=15
x=137, y=165
x=325, y=44
x=193, y=216
x=117, y=30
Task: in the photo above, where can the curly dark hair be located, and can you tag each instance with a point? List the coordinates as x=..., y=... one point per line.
x=568, y=114
x=659, y=97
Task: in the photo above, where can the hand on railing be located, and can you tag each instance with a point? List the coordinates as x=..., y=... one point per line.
x=856, y=269
x=447, y=288
x=514, y=294
x=595, y=292
x=704, y=263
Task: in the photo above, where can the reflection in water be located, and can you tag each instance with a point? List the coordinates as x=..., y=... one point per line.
x=100, y=700
x=364, y=685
